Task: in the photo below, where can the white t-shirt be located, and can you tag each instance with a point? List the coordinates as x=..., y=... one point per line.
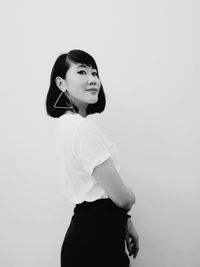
x=80, y=147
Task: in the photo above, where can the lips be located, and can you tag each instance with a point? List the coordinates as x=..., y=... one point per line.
x=92, y=90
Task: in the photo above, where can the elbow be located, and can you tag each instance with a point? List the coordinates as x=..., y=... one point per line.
x=127, y=206
x=133, y=200
x=128, y=202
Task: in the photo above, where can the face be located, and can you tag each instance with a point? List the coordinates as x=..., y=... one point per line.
x=82, y=83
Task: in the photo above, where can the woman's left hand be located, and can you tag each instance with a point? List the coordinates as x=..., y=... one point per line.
x=132, y=239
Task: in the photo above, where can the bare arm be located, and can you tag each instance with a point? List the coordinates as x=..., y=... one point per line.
x=109, y=178
x=132, y=196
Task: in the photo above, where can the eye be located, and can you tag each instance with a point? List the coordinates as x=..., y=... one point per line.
x=82, y=72
x=94, y=73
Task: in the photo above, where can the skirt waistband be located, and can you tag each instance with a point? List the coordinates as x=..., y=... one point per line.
x=100, y=207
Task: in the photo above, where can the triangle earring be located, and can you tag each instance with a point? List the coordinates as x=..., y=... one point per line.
x=69, y=106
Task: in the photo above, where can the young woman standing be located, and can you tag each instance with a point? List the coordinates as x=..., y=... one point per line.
x=89, y=167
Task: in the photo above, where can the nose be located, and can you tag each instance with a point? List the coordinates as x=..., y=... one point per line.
x=91, y=79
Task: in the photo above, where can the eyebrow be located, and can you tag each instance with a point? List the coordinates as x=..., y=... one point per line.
x=84, y=66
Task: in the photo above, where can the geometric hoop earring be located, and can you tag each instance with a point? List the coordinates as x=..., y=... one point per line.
x=66, y=107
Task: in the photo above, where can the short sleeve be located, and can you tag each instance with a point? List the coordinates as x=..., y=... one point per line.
x=90, y=146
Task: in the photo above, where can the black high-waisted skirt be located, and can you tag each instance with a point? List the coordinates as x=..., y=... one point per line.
x=96, y=236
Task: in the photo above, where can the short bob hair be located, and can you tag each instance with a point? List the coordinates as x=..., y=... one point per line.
x=60, y=68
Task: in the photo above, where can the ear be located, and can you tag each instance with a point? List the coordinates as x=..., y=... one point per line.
x=60, y=83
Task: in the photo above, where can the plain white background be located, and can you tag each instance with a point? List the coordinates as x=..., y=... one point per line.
x=148, y=58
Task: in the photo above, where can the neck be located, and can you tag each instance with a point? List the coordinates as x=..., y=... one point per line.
x=82, y=112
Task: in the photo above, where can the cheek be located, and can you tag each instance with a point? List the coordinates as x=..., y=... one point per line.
x=99, y=82
x=76, y=86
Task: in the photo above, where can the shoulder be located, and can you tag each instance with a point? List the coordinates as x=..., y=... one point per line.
x=88, y=126
x=70, y=121
x=82, y=128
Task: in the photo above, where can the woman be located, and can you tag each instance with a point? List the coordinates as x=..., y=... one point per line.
x=89, y=168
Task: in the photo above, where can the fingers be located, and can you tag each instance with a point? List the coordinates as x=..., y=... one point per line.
x=134, y=248
x=128, y=244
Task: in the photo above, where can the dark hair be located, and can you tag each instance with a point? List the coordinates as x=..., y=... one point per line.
x=60, y=68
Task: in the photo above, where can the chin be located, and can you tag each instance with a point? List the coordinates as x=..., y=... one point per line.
x=93, y=101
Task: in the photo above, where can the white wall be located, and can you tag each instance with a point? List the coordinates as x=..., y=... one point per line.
x=148, y=58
